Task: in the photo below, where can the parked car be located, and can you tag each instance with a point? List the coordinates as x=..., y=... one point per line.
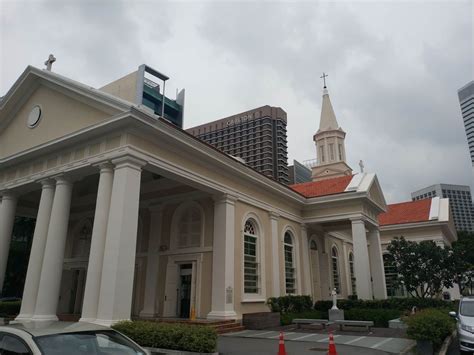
x=60, y=338
x=465, y=324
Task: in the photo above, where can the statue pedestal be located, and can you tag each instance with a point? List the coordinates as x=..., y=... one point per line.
x=336, y=314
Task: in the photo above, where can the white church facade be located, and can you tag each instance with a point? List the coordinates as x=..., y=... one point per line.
x=137, y=218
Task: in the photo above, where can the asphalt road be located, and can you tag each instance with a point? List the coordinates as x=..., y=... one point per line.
x=249, y=346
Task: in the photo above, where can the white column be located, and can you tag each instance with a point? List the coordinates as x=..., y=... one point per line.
x=151, y=282
x=7, y=219
x=35, y=263
x=96, y=255
x=276, y=289
x=305, y=261
x=361, y=260
x=51, y=271
x=222, y=306
x=376, y=265
x=116, y=288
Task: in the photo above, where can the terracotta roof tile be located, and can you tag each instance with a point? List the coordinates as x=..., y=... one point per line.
x=406, y=212
x=323, y=187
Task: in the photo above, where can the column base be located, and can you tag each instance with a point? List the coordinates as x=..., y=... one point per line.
x=44, y=318
x=87, y=320
x=223, y=315
x=23, y=318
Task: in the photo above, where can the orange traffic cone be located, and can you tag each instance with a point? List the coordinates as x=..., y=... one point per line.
x=332, y=346
x=281, y=346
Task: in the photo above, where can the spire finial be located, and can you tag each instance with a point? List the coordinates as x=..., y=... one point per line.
x=324, y=76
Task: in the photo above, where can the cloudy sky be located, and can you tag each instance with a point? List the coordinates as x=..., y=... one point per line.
x=394, y=68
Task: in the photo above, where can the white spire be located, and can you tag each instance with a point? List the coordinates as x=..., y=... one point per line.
x=328, y=118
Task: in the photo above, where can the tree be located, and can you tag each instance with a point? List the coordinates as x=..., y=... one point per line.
x=423, y=268
x=463, y=250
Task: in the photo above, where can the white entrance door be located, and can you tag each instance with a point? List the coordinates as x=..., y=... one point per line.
x=170, y=308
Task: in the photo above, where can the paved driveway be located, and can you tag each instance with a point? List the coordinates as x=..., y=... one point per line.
x=380, y=345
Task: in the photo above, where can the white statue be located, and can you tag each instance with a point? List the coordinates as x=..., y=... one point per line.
x=334, y=299
x=361, y=165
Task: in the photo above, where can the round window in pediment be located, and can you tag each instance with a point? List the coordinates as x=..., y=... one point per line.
x=34, y=117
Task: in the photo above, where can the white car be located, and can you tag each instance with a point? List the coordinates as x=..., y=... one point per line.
x=465, y=324
x=61, y=338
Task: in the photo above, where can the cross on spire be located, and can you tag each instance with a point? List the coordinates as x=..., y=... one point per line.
x=324, y=76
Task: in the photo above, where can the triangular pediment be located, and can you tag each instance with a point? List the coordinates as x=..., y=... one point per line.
x=42, y=107
x=375, y=193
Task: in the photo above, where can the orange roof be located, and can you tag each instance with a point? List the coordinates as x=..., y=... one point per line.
x=323, y=187
x=406, y=212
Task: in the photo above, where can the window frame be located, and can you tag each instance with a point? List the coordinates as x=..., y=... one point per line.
x=175, y=221
x=335, y=272
x=259, y=296
x=352, y=277
x=291, y=245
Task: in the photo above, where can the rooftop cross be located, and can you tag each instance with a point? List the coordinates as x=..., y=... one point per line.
x=324, y=76
x=49, y=62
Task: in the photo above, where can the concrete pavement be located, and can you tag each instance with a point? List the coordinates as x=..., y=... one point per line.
x=384, y=344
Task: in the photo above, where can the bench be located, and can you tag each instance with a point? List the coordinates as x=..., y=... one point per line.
x=322, y=322
x=368, y=324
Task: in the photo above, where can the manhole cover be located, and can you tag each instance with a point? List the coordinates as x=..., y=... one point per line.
x=319, y=349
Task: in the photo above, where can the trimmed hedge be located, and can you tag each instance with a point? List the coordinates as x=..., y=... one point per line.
x=380, y=317
x=287, y=318
x=9, y=308
x=390, y=303
x=183, y=337
x=430, y=324
x=290, y=304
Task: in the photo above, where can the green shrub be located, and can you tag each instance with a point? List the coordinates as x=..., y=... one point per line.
x=290, y=304
x=287, y=318
x=404, y=304
x=380, y=317
x=9, y=309
x=430, y=324
x=184, y=337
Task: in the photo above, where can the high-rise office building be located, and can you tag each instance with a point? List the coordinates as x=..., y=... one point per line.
x=460, y=201
x=298, y=173
x=466, y=99
x=257, y=136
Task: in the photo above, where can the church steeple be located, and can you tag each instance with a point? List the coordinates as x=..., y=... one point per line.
x=328, y=118
x=329, y=140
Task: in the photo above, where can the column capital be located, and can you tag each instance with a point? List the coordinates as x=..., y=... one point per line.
x=129, y=162
x=225, y=198
x=304, y=227
x=104, y=166
x=358, y=220
x=8, y=195
x=273, y=214
x=63, y=180
x=47, y=183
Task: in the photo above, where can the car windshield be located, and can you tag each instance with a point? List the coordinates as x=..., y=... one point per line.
x=106, y=342
x=467, y=309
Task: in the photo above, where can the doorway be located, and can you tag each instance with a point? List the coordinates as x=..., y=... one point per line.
x=185, y=283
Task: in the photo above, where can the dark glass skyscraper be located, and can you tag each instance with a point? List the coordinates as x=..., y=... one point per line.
x=466, y=99
x=258, y=137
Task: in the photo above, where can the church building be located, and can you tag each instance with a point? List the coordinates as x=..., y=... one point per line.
x=135, y=217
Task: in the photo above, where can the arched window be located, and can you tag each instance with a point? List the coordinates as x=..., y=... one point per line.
x=391, y=276
x=335, y=269
x=313, y=245
x=251, y=266
x=351, y=270
x=289, y=250
x=189, y=227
